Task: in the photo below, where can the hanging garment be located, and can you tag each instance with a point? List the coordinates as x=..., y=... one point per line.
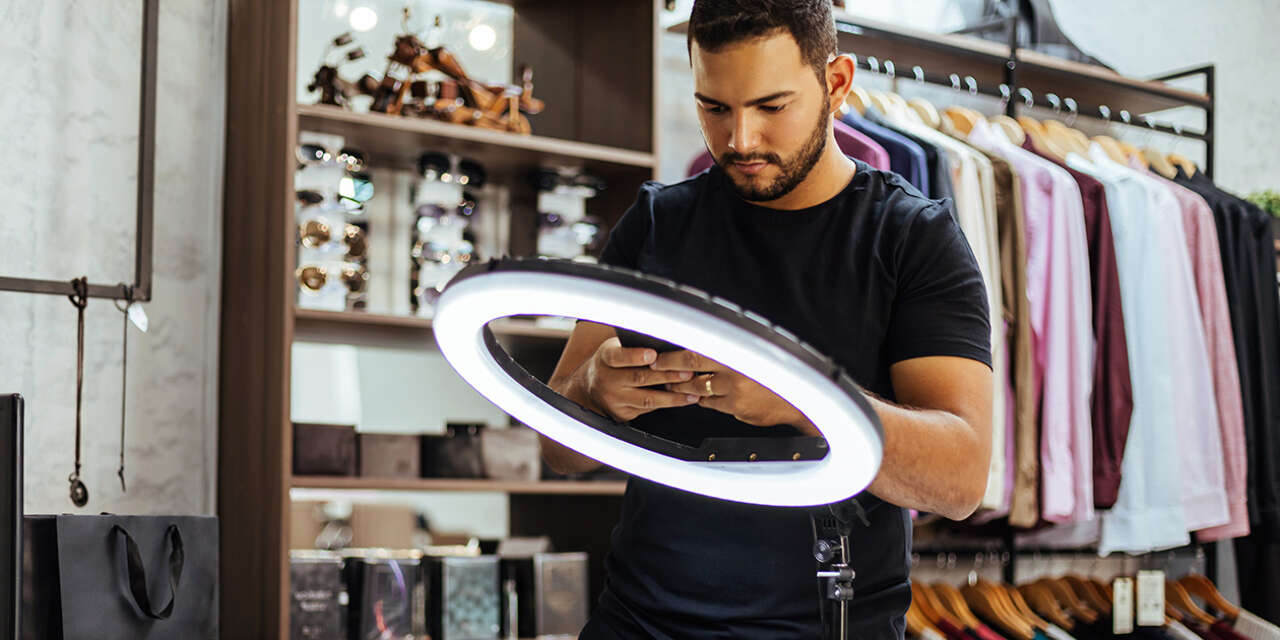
x=1057, y=633
x=1255, y=628
x=1206, y=259
x=1062, y=344
x=852, y=143
x=975, y=209
x=906, y=158
x=1148, y=513
x=1179, y=631
x=1248, y=262
x=941, y=178
x=1112, y=404
x=1204, y=493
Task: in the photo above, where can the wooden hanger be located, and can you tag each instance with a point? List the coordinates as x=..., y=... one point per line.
x=1063, y=593
x=1036, y=132
x=1044, y=603
x=902, y=109
x=993, y=603
x=1159, y=162
x=931, y=607
x=1182, y=161
x=1133, y=153
x=1065, y=137
x=954, y=602
x=1010, y=127
x=916, y=623
x=859, y=99
x=1173, y=592
x=1021, y=605
x=962, y=119
x=927, y=112
x=1089, y=592
x=1112, y=147
x=1203, y=588
x=881, y=102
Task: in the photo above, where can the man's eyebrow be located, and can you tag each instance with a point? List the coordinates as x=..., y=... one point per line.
x=769, y=98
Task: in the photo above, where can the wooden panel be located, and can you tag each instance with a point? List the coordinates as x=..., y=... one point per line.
x=615, y=79
x=573, y=523
x=546, y=38
x=355, y=321
x=255, y=326
x=545, y=487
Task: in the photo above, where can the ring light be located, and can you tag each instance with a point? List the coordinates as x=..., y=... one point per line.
x=768, y=471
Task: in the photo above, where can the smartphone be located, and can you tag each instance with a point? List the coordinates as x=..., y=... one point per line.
x=634, y=339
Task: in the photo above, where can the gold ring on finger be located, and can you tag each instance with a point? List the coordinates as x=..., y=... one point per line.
x=708, y=383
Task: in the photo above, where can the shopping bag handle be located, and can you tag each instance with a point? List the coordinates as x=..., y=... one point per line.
x=138, y=572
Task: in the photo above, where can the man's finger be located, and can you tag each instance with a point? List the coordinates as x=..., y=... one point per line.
x=619, y=357
x=648, y=400
x=698, y=386
x=685, y=360
x=718, y=403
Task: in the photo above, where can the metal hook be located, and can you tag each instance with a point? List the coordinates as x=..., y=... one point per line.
x=955, y=82
x=1073, y=108
x=918, y=71
x=972, y=84
x=889, y=69
x=1106, y=112
x=1027, y=96
x=874, y=63
x=1005, y=95
x=1055, y=102
x=1125, y=116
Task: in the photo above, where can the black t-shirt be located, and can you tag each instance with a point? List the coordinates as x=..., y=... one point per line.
x=875, y=275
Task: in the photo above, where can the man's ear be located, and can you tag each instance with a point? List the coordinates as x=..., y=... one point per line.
x=840, y=72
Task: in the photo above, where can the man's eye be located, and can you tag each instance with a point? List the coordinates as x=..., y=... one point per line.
x=714, y=109
x=772, y=108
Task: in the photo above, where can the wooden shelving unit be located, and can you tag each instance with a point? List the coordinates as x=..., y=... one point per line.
x=359, y=320
x=595, y=65
x=544, y=487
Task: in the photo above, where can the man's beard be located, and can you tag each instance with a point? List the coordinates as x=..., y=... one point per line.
x=791, y=173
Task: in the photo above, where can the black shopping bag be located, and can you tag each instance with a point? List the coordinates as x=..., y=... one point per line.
x=120, y=577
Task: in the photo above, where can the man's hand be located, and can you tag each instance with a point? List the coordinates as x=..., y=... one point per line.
x=727, y=391
x=615, y=377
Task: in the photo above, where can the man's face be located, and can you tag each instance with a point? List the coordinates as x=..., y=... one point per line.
x=763, y=113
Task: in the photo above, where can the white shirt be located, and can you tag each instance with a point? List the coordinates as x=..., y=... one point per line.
x=1148, y=513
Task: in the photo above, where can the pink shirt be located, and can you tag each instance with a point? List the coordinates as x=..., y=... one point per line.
x=1206, y=265
x=1061, y=302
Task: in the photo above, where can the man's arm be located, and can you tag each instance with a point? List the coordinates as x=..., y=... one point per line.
x=583, y=342
x=937, y=442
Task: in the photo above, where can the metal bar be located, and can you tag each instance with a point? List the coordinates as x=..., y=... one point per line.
x=11, y=520
x=146, y=152
x=1011, y=65
x=1175, y=75
x=979, y=27
x=1210, y=87
x=143, y=236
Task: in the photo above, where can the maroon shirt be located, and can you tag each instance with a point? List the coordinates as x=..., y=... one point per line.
x=1112, y=388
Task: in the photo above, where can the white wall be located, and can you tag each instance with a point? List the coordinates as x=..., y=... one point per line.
x=70, y=108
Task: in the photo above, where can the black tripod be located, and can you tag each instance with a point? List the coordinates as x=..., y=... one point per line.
x=832, y=529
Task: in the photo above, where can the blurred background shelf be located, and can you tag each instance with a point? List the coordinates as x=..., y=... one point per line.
x=544, y=487
x=338, y=320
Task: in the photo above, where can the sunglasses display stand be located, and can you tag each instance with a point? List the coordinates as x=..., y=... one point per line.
x=332, y=238
x=444, y=203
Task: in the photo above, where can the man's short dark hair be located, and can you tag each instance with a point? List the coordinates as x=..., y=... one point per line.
x=715, y=24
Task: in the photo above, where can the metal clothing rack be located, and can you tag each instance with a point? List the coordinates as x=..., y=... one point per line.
x=1024, y=78
x=140, y=289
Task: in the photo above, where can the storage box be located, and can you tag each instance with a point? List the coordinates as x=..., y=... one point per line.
x=511, y=453
x=387, y=594
x=455, y=454
x=463, y=600
x=317, y=596
x=389, y=456
x=324, y=449
x=551, y=594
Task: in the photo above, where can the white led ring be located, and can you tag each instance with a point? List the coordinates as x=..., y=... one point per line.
x=682, y=315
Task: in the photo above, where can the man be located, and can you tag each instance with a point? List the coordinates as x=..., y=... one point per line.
x=852, y=260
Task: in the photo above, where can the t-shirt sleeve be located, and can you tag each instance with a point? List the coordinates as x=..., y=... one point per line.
x=940, y=307
x=627, y=237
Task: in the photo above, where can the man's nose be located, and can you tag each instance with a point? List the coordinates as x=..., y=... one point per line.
x=744, y=137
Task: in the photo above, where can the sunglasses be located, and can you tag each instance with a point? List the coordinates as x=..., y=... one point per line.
x=433, y=165
x=313, y=278
x=309, y=154
x=317, y=233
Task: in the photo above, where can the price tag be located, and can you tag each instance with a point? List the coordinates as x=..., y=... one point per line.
x=1122, y=606
x=1150, y=598
x=137, y=316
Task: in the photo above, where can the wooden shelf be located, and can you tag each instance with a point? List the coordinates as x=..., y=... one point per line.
x=399, y=140
x=358, y=319
x=941, y=54
x=544, y=487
